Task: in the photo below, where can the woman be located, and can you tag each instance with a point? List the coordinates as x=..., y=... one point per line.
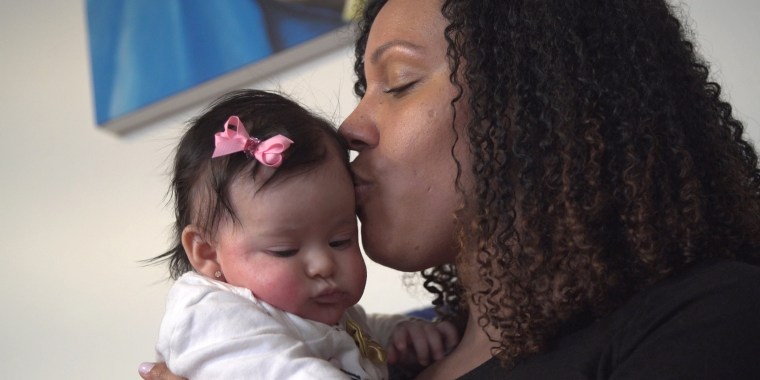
x=584, y=196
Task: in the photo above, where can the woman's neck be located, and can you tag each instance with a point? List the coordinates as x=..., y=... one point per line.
x=473, y=349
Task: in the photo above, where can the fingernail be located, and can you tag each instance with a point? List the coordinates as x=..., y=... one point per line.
x=145, y=367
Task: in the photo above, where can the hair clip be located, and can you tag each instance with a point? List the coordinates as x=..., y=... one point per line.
x=268, y=152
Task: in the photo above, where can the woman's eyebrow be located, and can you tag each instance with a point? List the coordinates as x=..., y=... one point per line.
x=375, y=57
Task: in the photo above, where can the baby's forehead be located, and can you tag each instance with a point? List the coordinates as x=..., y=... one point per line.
x=265, y=179
x=251, y=181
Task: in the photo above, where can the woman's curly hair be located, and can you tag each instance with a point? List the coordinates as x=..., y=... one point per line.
x=604, y=160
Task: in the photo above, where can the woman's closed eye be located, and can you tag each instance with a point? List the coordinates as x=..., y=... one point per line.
x=400, y=89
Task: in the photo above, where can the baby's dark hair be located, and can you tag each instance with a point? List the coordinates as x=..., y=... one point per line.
x=200, y=185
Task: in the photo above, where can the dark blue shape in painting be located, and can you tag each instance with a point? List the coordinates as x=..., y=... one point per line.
x=289, y=24
x=143, y=51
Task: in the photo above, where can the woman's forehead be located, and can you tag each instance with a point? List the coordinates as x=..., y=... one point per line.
x=417, y=23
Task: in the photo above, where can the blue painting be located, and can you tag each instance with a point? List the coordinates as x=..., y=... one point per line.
x=143, y=51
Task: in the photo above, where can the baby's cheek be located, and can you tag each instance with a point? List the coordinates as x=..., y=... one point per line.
x=358, y=272
x=281, y=290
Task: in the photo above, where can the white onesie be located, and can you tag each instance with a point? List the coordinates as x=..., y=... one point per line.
x=213, y=330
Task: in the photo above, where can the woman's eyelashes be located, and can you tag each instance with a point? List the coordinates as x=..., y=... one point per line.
x=401, y=89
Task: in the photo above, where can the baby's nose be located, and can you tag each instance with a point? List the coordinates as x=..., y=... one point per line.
x=320, y=263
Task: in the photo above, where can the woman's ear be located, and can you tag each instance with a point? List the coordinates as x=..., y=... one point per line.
x=200, y=252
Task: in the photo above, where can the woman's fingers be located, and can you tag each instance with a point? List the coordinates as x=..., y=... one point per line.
x=156, y=371
x=144, y=370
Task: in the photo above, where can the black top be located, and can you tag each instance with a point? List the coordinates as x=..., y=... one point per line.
x=702, y=324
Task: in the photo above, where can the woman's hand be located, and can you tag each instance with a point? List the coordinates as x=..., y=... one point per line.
x=156, y=371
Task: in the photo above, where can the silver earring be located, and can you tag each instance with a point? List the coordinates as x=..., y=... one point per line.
x=218, y=274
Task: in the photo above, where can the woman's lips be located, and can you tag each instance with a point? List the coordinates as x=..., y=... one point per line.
x=361, y=191
x=361, y=188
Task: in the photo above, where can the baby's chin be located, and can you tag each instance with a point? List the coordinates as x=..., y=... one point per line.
x=327, y=314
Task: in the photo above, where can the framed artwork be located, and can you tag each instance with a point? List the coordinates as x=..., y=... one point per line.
x=151, y=58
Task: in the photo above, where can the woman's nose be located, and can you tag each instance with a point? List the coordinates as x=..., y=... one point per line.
x=359, y=128
x=320, y=263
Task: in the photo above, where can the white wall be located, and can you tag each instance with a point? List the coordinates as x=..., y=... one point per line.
x=80, y=207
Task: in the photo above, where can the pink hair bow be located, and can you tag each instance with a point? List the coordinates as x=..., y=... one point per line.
x=268, y=152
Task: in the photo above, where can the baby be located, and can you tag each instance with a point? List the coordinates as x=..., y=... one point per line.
x=266, y=256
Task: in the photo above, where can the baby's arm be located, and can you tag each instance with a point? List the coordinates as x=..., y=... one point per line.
x=410, y=342
x=415, y=341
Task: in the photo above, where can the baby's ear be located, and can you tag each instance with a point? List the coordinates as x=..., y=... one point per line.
x=200, y=252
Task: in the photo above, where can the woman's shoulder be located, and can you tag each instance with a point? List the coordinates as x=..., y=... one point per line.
x=713, y=283
x=729, y=272
x=707, y=292
x=697, y=324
